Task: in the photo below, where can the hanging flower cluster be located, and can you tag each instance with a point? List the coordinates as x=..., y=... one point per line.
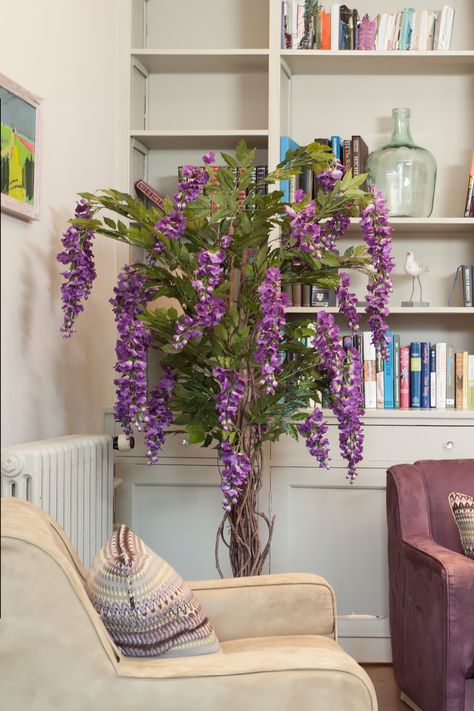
x=172, y=226
x=235, y=469
x=347, y=302
x=78, y=278
x=270, y=328
x=377, y=231
x=334, y=229
x=209, y=309
x=344, y=371
x=314, y=430
x=159, y=416
x=232, y=389
x=195, y=178
x=131, y=297
x=306, y=232
x=327, y=179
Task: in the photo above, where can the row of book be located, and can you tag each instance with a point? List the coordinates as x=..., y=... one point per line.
x=422, y=375
x=341, y=28
x=309, y=295
x=352, y=153
x=469, y=206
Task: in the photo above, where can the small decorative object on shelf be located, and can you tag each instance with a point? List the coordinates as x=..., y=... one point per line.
x=415, y=270
x=404, y=172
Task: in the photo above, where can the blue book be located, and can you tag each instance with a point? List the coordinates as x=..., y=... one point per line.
x=286, y=144
x=433, y=376
x=406, y=28
x=425, y=375
x=415, y=374
x=388, y=389
x=336, y=147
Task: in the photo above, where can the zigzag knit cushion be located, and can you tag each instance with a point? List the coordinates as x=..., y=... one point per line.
x=146, y=607
x=462, y=507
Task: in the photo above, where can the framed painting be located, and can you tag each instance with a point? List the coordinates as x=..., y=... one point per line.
x=19, y=173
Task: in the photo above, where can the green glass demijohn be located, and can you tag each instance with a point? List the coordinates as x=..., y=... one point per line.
x=404, y=172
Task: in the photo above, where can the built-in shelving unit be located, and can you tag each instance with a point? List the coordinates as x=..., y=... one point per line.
x=405, y=310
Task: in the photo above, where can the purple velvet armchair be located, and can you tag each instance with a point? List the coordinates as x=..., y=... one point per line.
x=431, y=585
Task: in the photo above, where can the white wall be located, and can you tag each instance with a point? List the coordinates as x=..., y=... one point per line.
x=66, y=52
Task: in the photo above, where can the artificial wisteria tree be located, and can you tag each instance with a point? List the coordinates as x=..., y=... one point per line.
x=235, y=371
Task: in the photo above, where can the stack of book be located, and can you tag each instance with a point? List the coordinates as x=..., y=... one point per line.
x=259, y=172
x=340, y=27
x=352, y=153
x=422, y=375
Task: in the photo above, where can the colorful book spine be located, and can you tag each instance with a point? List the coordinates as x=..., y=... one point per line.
x=466, y=272
x=370, y=376
x=465, y=363
x=470, y=382
x=425, y=375
x=459, y=374
x=335, y=25
x=441, y=376
x=286, y=144
x=415, y=374
x=336, y=147
x=450, y=378
x=470, y=188
x=433, y=376
x=404, y=377
x=388, y=374
x=396, y=372
x=379, y=375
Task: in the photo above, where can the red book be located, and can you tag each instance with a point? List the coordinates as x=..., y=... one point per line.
x=404, y=378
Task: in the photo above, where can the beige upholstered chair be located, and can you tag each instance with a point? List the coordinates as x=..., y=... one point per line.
x=277, y=634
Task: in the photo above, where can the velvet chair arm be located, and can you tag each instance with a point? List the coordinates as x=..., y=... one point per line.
x=436, y=594
x=269, y=605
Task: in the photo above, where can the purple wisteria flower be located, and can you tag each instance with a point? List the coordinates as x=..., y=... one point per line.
x=159, y=416
x=195, y=179
x=209, y=309
x=209, y=158
x=270, y=328
x=344, y=371
x=232, y=389
x=305, y=231
x=314, y=429
x=235, y=469
x=172, y=226
x=131, y=297
x=326, y=179
x=334, y=229
x=79, y=277
x=377, y=231
x=347, y=302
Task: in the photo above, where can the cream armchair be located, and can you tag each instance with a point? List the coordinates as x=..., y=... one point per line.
x=277, y=634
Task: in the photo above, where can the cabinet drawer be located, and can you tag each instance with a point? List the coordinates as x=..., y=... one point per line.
x=391, y=444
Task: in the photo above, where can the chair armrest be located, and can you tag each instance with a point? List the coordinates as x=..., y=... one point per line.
x=268, y=605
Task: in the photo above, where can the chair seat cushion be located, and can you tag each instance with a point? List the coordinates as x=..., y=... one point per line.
x=145, y=606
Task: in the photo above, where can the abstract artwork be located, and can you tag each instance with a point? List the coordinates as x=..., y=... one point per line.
x=19, y=176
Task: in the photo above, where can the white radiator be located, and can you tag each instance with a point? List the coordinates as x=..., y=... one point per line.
x=71, y=478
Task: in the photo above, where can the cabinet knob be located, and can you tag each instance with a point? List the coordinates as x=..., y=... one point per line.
x=449, y=444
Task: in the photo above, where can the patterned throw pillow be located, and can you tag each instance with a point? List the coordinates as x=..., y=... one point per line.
x=462, y=507
x=146, y=607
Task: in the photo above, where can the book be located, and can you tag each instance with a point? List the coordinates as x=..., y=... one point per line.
x=370, y=378
x=306, y=295
x=406, y=28
x=286, y=144
x=441, y=375
x=446, y=23
x=404, y=377
x=470, y=382
x=358, y=344
x=396, y=371
x=450, y=378
x=415, y=374
x=388, y=374
x=465, y=363
x=459, y=374
x=149, y=193
x=345, y=20
x=425, y=375
x=379, y=375
x=466, y=274
x=335, y=8
x=319, y=296
x=433, y=376
x=346, y=155
x=336, y=142
x=306, y=181
x=360, y=153
x=297, y=295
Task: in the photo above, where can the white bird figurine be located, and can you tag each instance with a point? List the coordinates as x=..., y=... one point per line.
x=415, y=270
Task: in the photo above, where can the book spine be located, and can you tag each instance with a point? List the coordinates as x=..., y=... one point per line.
x=404, y=378
x=379, y=379
x=388, y=374
x=459, y=374
x=470, y=382
x=306, y=295
x=359, y=346
x=396, y=372
x=370, y=375
x=297, y=295
x=346, y=155
x=262, y=172
x=466, y=273
x=335, y=26
x=433, y=376
x=425, y=375
x=450, y=378
x=465, y=363
x=336, y=146
x=355, y=149
x=470, y=188
x=150, y=194
x=415, y=374
x=441, y=375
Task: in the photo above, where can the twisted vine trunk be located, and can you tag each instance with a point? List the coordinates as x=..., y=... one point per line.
x=240, y=529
